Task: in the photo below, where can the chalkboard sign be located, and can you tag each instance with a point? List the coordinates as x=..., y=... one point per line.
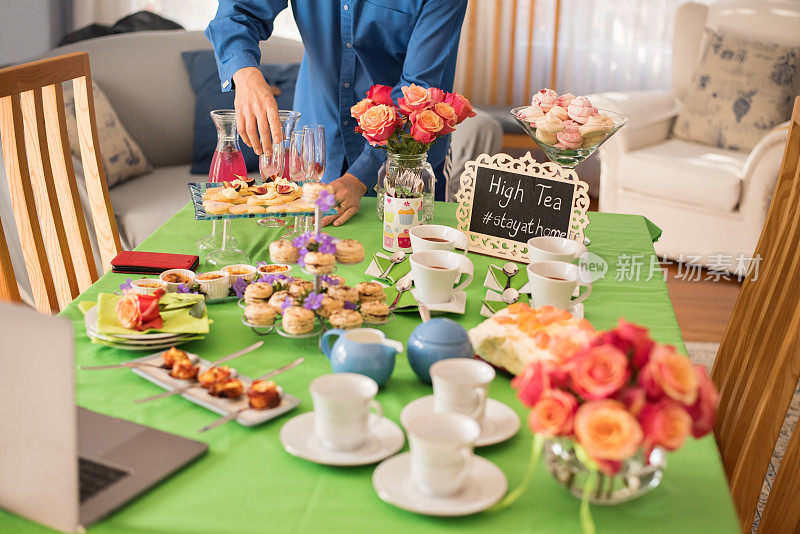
x=503, y=202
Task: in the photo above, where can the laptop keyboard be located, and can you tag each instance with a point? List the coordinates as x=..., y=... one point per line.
x=95, y=477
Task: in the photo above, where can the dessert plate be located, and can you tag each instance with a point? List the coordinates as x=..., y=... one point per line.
x=499, y=422
x=485, y=486
x=298, y=438
x=90, y=322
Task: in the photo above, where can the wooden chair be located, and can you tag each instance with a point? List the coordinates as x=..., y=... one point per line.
x=758, y=363
x=41, y=178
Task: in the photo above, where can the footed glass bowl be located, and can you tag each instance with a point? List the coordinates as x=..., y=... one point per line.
x=571, y=158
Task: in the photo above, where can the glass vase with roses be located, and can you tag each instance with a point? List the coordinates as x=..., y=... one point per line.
x=406, y=130
x=606, y=414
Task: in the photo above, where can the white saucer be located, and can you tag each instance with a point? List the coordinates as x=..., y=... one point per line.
x=458, y=304
x=493, y=296
x=298, y=438
x=484, y=487
x=499, y=421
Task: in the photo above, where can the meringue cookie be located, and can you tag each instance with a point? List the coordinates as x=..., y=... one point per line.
x=559, y=112
x=597, y=123
x=530, y=114
x=564, y=100
x=571, y=139
x=546, y=138
x=545, y=99
x=580, y=109
x=549, y=124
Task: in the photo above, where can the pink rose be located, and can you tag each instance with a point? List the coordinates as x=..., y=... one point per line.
x=599, y=372
x=361, y=107
x=378, y=124
x=553, y=413
x=633, y=398
x=607, y=432
x=448, y=115
x=665, y=424
x=437, y=95
x=380, y=94
x=425, y=125
x=532, y=382
x=671, y=374
x=415, y=98
x=704, y=410
x=461, y=105
x=631, y=339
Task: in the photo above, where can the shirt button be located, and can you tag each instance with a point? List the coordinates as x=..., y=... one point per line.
x=346, y=123
x=346, y=7
x=349, y=45
x=347, y=84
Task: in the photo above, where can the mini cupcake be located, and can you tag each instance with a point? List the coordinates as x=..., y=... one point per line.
x=278, y=298
x=300, y=288
x=214, y=284
x=260, y=314
x=319, y=262
x=369, y=291
x=175, y=277
x=283, y=251
x=329, y=305
x=241, y=270
x=375, y=311
x=345, y=319
x=298, y=320
x=349, y=251
x=344, y=293
x=148, y=286
x=258, y=293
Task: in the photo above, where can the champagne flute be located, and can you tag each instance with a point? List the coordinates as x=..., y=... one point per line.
x=270, y=166
x=319, y=149
x=297, y=172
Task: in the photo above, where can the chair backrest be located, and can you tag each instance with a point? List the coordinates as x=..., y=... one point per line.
x=758, y=363
x=41, y=178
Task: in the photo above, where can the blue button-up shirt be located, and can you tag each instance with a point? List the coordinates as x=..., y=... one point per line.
x=349, y=46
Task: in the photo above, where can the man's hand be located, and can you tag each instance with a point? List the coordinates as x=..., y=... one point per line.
x=256, y=110
x=348, y=191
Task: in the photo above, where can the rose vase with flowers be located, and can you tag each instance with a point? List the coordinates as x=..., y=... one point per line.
x=407, y=129
x=606, y=414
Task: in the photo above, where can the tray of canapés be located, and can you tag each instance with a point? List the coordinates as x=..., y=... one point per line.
x=242, y=199
x=217, y=388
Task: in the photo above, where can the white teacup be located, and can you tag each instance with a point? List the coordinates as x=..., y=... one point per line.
x=552, y=283
x=459, y=385
x=441, y=451
x=435, y=272
x=438, y=237
x=342, y=403
x=547, y=248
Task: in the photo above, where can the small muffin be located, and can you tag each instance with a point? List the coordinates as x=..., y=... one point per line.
x=229, y=388
x=344, y=293
x=311, y=191
x=345, y=319
x=257, y=292
x=375, y=311
x=214, y=374
x=298, y=320
x=215, y=284
x=349, y=251
x=332, y=281
x=369, y=291
x=276, y=300
x=300, y=288
x=282, y=251
x=329, y=305
x=240, y=270
x=184, y=369
x=263, y=394
x=319, y=262
x=260, y=314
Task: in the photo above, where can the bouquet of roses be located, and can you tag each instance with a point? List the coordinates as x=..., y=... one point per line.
x=413, y=124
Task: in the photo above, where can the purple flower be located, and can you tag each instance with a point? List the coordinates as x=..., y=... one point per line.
x=125, y=286
x=183, y=288
x=327, y=248
x=329, y=280
x=260, y=264
x=239, y=286
x=287, y=303
x=350, y=306
x=325, y=200
x=313, y=301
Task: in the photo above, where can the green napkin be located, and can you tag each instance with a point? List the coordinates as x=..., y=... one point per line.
x=494, y=305
x=174, y=312
x=517, y=281
x=398, y=270
x=407, y=302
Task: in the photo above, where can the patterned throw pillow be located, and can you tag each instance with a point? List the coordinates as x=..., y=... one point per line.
x=740, y=90
x=122, y=157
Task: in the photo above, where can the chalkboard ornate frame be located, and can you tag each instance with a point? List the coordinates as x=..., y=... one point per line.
x=507, y=248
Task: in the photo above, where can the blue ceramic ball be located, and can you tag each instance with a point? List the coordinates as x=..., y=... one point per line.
x=436, y=340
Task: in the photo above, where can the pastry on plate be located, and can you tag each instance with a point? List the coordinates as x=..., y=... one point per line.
x=346, y=319
x=300, y=288
x=311, y=191
x=329, y=305
x=375, y=311
x=277, y=299
x=297, y=320
x=263, y=395
x=228, y=388
x=258, y=292
x=261, y=314
x=241, y=270
x=319, y=262
x=282, y=251
x=246, y=208
x=349, y=251
x=344, y=293
x=173, y=355
x=520, y=334
x=184, y=369
x=368, y=291
x=216, y=208
x=214, y=374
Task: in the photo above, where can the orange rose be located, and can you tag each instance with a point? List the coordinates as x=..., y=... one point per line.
x=425, y=125
x=377, y=124
x=599, y=372
x=553, y=414
x=361, y=108
x=448, y=115
x=462, y=106
x=671, y=374
x=665, y=424
x=415, y=98
x=607, y=431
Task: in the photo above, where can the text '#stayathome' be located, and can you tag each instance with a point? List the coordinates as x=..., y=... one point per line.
x=508, y=191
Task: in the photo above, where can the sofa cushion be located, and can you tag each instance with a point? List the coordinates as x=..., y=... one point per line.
x=740, y=90
x=204, y=77
x=686, y=172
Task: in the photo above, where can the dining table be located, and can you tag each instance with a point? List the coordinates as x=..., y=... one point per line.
x=248, y=483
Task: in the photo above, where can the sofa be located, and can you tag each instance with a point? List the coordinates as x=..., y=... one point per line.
x=146, y=82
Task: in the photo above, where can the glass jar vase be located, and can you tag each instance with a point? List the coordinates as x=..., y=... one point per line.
x=407, y=176
x=635, y=478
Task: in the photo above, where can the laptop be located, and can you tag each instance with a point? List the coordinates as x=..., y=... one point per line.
x=62, y=466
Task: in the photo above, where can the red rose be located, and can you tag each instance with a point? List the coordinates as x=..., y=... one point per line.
x=665, y=424
x=425, y=125
x=669, y=373
x=553, y=413
x=631, y=339
x=380, y=94
x=437, y=95
x=633, y=398
x=532, y=382
x=448, y=115
x=140, y=312
x=704, y=410
x=599, y=372
x=461, y=105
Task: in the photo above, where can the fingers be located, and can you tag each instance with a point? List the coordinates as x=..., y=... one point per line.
x=263, y=132
x=344, y=217
x=275, y=125
x=327, y=220
x=251, y=127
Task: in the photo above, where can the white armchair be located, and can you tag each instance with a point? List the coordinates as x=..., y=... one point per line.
x=710, y=202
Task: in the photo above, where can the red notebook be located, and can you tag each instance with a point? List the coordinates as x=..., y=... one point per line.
x=139, y=262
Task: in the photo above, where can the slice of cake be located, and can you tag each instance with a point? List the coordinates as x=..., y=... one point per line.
x=520, y=334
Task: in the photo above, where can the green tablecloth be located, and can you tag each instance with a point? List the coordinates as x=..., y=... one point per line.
x=247, y=483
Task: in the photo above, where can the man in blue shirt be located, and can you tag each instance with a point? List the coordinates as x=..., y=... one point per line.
x=350, y=45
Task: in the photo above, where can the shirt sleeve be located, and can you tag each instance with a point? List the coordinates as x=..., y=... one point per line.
x=235, y=32
x=432, y=52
